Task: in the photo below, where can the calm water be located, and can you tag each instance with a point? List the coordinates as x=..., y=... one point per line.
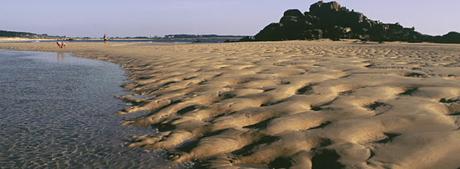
x=58, y=111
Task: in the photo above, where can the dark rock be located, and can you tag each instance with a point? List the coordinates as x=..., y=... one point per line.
x=294, y=13
x=313, y=34
x=293, y=25
x=325, y=8
x=271, y=32
x=331, y=20
x=311, y=18
x=451, y=37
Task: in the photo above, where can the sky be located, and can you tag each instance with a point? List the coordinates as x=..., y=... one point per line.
x=227, y=17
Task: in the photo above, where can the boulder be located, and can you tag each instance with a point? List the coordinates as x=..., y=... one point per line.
x=313, y=34
x=293, y=24
x=294, y=13
x=451, y=37
x=272, y=32
x=321, y=7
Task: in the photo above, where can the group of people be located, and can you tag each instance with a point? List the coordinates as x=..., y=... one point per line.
x=61, y=44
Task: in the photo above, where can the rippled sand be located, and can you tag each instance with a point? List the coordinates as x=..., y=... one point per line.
x=293, y=104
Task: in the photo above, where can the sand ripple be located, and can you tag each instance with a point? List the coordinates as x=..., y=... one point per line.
x=296, y=104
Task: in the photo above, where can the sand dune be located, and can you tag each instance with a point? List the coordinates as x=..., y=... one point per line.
x=292, y=104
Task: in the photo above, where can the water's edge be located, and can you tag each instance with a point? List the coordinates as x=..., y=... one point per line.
x=136, y=161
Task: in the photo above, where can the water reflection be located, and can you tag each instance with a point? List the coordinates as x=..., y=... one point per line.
x=60, y=56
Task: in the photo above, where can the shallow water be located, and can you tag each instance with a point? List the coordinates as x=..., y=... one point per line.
x=58, y=111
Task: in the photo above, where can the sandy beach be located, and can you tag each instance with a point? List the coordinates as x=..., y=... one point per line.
x=17, y=39
x=297, y=104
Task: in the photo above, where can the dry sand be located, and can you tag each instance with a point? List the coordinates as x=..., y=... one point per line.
x=298, y=104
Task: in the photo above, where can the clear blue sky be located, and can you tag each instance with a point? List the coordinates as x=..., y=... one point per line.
x=243, y=17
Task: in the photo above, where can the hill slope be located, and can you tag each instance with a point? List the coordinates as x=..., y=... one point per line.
x=21, y=34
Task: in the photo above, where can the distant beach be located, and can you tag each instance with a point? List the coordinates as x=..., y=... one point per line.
x=171, y=39
x=17, y=39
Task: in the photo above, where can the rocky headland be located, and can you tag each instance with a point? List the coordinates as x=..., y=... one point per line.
x=333, y=21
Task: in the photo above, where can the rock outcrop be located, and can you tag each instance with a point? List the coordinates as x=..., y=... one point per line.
x=451, y=37
x=331, y=20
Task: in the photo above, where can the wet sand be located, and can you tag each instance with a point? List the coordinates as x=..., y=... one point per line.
x=291, y=104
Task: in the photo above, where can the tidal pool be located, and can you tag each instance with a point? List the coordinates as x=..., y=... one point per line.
x=58, y=111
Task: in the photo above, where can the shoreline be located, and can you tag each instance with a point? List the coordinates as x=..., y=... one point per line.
x=293, y=103
x=17, y=39
x=61, y=106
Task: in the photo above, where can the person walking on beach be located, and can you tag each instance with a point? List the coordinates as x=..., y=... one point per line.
x=105, y=38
